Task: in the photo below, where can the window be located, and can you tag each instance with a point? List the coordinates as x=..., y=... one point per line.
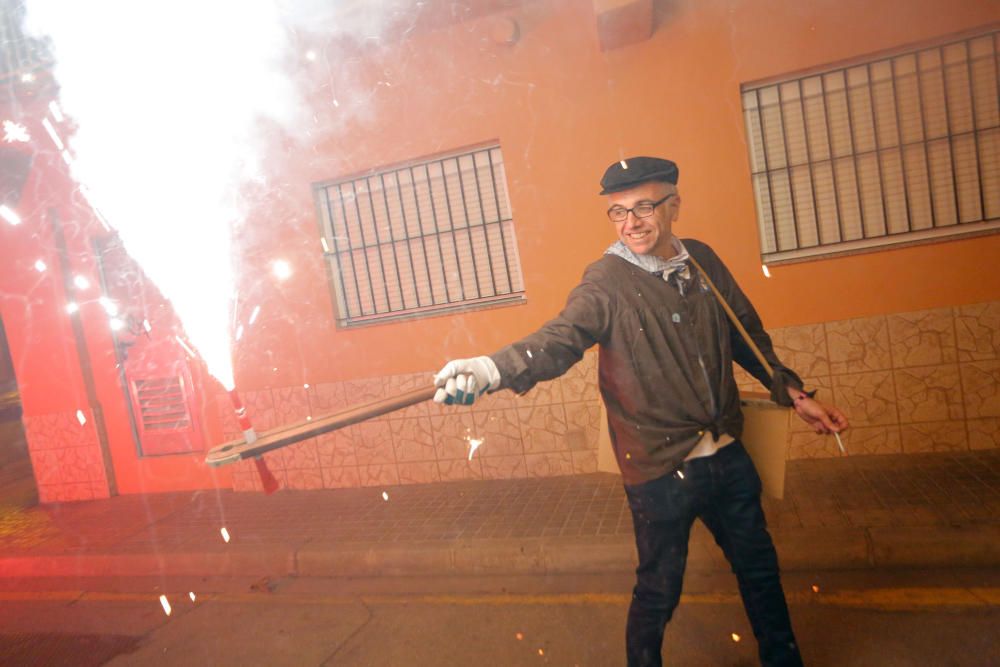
x=428, y=237
x=897, y=148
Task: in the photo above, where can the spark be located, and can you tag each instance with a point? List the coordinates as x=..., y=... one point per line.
x=680, y=473
x=311, y=55
x=146, y=325
x=166, y=605
x=385, y=495
x=225, y=534
x=56, y=111
x=815, y=588
x=282, y=269
x=8, y=214
x=187, y=348
x=519, y=636
x=254, y=314
x=767, y=272
x=72, y=307
x=322, y=239
x=541, y=651
x=27, y=77
x=735, y=637
x=305, y=386
x=80, y=417
x=15, y=132
x=336, y=104
x=239, y=332
x=81, y=282
x=117, y=324
x=529, y=354
x=110, y=307
x=67, y=158
x=192, y=596
x=473, y=445
x=309, y=418
x=40, y=266
x=624, y=164
x=52, y=134
x=840, y=443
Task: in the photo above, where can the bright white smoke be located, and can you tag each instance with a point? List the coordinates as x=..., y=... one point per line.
x=168, y=97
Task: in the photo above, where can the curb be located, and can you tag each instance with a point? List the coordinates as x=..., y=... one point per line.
x=802, y=549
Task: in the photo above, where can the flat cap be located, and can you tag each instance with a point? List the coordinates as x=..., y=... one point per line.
x=635, y=170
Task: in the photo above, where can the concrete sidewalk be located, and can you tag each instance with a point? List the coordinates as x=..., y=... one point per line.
x=917, y=510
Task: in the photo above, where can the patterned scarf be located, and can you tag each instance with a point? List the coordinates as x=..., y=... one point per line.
x=655, y=264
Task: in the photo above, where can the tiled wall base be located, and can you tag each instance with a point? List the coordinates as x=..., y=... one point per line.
x=909, y=382
x=66, y=457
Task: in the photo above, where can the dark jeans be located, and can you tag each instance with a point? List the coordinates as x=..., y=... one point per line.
x=722, y=490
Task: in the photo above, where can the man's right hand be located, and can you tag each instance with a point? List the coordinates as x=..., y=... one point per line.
x=461, y=381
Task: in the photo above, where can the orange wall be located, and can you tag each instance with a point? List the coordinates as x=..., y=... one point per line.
x=562, y=110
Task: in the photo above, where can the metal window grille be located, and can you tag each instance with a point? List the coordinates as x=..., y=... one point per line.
x=423, y=238
x=896, y=149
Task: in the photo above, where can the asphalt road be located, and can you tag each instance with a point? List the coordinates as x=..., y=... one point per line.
x=861, y=618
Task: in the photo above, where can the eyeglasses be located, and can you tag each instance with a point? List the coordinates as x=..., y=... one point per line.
x=640, y=210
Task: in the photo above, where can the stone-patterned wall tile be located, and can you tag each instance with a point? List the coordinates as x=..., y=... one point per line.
x=824, y=393
x=977, y=329
x=452, y=433
x=872, y=440
x=580, y=381
x=745, y=382
x=811, y=445
x=302, y=455
x=934, y=437
x=584, y=462
x=70, y=465
x=326, y=398
x=384, y=474
x=421, y=472
x=922, y=338
x=304, y=479
x=402, y=384
x=549, y=464
x=543, y=428
x=802, y=348
x=60, y=430
x=291, y=404
x=543, y=393
x=504, y=467
x=245, y=477
x=858, y=345
x=260, y=409
x=984, y=433
x=336, y=450
x=500, y=432
x=458, y=469
x=868, y=399
x=64, y=493
x=981, y=386
x=498, y=400
x=413, y=439
x=341, y=477
x=583, y=421
x=928, y=393
x=372, y=442
x=227, y=418
x=365, y=390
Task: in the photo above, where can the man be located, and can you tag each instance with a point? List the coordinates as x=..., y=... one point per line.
x=665, y=371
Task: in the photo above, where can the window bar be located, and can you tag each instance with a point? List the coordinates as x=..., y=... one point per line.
x=350, y=249
x=406, y=238
x=809, y=161
x=437, y=233
x=392, y=244
x=468, y=228
x=923, y=130
x=406, y=226
x=975, y=132
x=500, y=221
x=420, y=225
x=854, y=153
x=482, y=216
x=767, y=172
x=833, y=160
x=899, y=140
x=423, y=236
x=364, y=248
x=336, y=250
x=878, y=150
x=451, y=224
x=788, y=168
x=951, y=146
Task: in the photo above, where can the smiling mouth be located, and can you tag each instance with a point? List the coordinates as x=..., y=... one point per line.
x=637, y=235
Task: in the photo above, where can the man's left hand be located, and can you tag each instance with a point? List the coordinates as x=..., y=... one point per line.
x=822, y=418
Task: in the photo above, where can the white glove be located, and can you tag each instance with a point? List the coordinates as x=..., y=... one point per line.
x=462, y=380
